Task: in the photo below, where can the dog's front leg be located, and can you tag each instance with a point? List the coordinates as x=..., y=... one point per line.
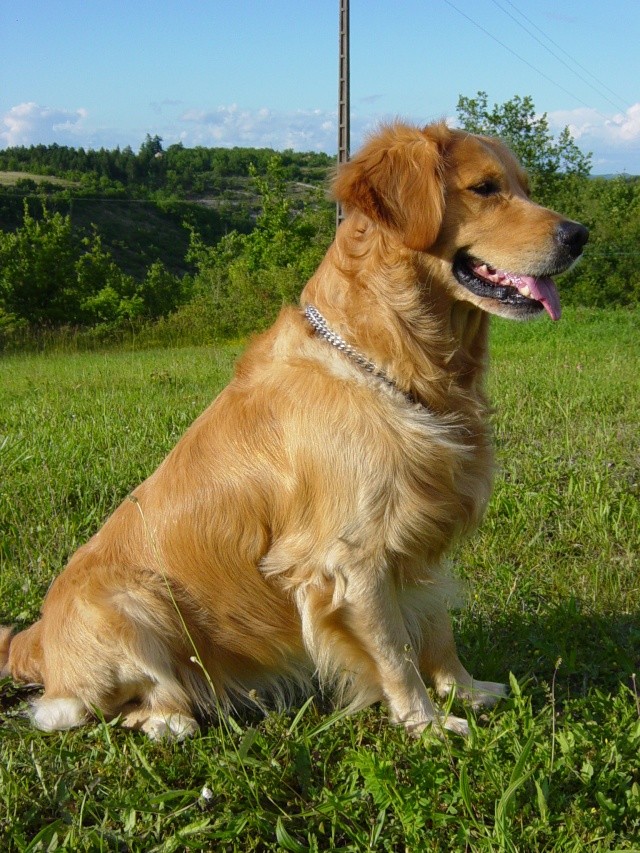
x=367, y=624
x=439, y=660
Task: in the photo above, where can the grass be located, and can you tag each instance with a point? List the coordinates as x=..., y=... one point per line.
x=554, y=595
x=10, y=179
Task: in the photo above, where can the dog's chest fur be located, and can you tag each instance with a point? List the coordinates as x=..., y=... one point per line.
x=439, y=490
x=382, y=481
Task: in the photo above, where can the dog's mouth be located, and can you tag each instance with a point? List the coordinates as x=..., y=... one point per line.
x=525, y=293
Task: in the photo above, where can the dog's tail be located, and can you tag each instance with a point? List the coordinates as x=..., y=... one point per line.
x=21, y=654
x=5, y=642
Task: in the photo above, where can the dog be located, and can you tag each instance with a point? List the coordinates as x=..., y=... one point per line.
x=299, y=530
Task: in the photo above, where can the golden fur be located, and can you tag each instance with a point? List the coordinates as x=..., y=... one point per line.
x=301, y=524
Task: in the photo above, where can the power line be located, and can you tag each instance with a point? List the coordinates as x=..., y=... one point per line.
x=601, y=83
x=523, y=60
x=104, y=199
x=554, y=54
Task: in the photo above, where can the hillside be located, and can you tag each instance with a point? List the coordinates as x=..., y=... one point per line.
x=11, y=179
x=135, y=232
x=139, y=203
x=103, y=242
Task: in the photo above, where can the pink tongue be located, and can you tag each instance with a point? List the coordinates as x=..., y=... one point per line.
x=542, y=289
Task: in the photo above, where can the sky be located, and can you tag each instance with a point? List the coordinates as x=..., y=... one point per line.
x=264, y=73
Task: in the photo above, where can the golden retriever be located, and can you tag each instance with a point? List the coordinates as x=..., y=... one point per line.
x=300, y=526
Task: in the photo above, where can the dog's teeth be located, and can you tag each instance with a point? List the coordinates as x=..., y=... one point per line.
x=525, y=291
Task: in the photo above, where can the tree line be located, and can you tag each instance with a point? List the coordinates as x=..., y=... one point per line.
x=177, y=171
x=50, y=276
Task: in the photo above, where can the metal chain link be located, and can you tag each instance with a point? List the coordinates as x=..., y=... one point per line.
x=323, y=329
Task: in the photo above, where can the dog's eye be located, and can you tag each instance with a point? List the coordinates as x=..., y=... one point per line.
x=486, y=188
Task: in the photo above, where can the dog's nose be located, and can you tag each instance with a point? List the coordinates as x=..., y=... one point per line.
x=573, y=236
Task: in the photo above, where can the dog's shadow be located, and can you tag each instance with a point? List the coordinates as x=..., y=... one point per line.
x=577, y=650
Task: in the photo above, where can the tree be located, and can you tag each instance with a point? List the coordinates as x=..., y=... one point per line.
x=105, y=293
x=609, y=275
x=553, y=164
x=151, y=147
x=248, y=277
x=151, y=162
x=47, y=278
x=37, y=272
x=161, y=292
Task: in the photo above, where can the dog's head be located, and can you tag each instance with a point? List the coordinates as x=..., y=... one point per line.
x=463, y=200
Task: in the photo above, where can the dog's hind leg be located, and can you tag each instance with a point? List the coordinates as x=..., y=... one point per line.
x=99, y=658
x=146, y=692
x=22, y=657
x=24, y=660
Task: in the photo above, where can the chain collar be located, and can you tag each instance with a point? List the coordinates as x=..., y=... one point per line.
x=322, y=328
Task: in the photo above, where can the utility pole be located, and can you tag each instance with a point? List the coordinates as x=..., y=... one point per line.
x=344, y=118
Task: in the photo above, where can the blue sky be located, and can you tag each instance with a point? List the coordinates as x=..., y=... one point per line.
x=264, y=72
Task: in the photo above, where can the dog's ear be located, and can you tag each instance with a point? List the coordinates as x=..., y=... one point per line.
x=396, y=180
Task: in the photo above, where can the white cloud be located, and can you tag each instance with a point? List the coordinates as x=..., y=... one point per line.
x=625, y=127
x=225, y=126
x=29, y=123
x=304, y=130
x=614, y=140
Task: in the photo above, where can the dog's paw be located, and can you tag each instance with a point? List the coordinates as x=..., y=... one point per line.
x=481, y=694
x=484, y=694
x=170, y=726
x=458, y=725
x=439, y=726
x=50, y=715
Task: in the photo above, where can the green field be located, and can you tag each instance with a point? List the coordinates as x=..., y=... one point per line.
x=553, y=581
x=10, y=179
